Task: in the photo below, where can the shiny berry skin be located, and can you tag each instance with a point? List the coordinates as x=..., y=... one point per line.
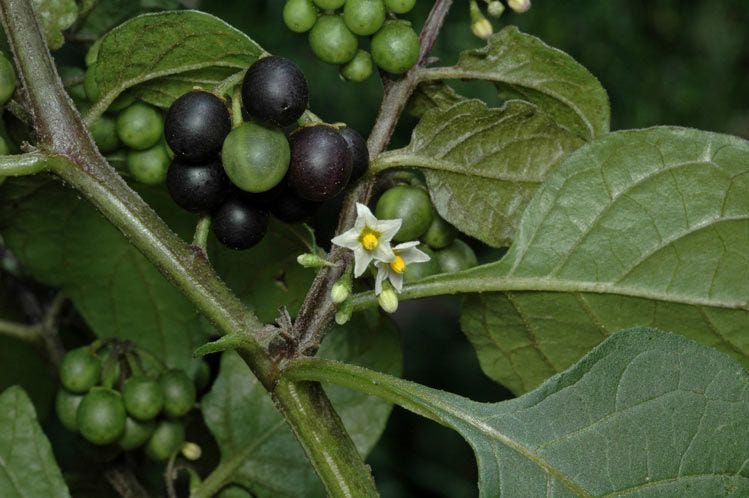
x=275, y=91
x=197, y=187
x=179, y=392
x=80, y=370
x=149, y=166
x=329, y=4
x=137, y=433
x=237, y=224
x=167, y=438
x=359, y=68
x=457, y=256
x=412, y=205
x=101, y=416
x=331, y=41
x=364, y=17
x=143, y=397
x=66, y=407
x=290, y=208
x=196, y=125
x=321, y=163
x=440, y=233
x=400, y=6
x=299, y=15
x=359, y=152
x=395, y=48
x=255, y=158
x=140, y=126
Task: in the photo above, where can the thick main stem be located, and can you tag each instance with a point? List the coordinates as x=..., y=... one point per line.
x=73, y=156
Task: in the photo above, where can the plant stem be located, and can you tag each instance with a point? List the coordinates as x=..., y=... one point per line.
x=73, y=156
x=202, y=229
x=23, y=164
x=317, y=311
x=26, y=333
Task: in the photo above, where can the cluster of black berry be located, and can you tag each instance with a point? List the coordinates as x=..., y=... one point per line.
x=409, y=201
x=115, y=394
x=333, y=37
x=242, y=175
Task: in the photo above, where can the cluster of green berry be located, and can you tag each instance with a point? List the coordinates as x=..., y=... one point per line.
x=115, y=394
x=410, y=202
x=240, y=175
x=7, y=89
x=333, y=37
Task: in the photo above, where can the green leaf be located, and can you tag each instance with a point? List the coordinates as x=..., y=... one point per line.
x=644, y=414
x=523, y=67
x=55, y=16
x=483, y=164
x=641, y=228
x=106, y=14
x=21, y=364
x=432, y=95
x=163, y=91
x=165, y=44
x=258, y=450
x=64, y=242
x=27, y=466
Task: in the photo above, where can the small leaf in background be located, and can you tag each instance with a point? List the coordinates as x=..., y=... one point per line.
x=103, y=15
x=483, y=165
x=644, y=414
x=258, y=449
x=165, y=44
x=56, y=16
x=523, y=67
x=27, y=466
x=163, y=91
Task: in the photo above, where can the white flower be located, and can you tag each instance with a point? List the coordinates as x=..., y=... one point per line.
x=369, y=239
x=405, y=254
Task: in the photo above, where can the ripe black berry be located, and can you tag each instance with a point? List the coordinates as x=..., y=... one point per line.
x=197, y=187
x=320, y=163
x=196, y=125
x=275, y=91
x=239, y=225
x=359, y=152
x=290, y=208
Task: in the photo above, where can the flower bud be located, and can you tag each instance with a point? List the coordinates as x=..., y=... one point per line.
x=388, y=300
x=495, y=8
x=309, y=260
x=341, y=289
x=191, y=451
x=519, y=6
x=480, y=25
x=343, y=315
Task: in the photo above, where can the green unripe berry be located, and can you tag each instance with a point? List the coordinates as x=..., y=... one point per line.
x=255, y=158
x=7, y=79
x=299, y=15
x=143, y=397
x=179, y=392
x=359, y=68
x=233, y=492
x=400, y=6
x=329, y=4
x=101, y=416
x=457, y=256
x=395, y=48
x=66, y=407
x=149, y=166
x=136, y=434
x=412, y=205
x=166, y=440
x=417, y=271
x=140, y=126
x=440, y=233
x=331, y=41
x=364, y=17
x=80, y=370
x=104, y=131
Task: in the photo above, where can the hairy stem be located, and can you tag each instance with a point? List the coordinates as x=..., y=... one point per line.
x=73, y=156
x=317, y=311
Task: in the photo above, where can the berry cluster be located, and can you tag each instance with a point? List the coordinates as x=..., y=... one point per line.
x=333, y=37
x=115, y=394
x=242, y=175
x=411, y=203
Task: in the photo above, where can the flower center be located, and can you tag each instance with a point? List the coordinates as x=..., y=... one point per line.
x=369, y=239
x=398, y=265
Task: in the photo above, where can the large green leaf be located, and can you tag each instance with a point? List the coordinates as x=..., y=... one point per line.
x=641, y=228
x=258, y=449
x=523, y=67
x=163, y=91
x=55, y=17
x=644, y=414
x=103, y=15
x=483, y=160
x=165, y=44
x=27, y=466
x=64, y=242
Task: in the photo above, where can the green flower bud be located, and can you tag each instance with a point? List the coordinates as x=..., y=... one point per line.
x=191, y=451
x=309, y=260
x=388, y=298
x=519, y=6
x=341, y=289
x=343, y=315
x=495, y=8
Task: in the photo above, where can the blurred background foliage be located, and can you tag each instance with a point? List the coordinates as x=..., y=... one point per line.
x=681, y=62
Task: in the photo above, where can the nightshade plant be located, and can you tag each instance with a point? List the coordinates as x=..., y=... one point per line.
x=619, y=316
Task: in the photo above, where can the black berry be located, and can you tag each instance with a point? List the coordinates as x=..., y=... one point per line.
x=237, y=224
x=290, y=208
x=196, y=125
x=197, y=187
x=359, y=152
x=275, y=91
x=320, y=163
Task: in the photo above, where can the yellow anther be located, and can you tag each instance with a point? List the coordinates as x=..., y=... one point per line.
x=369, y=240
x=398, y=265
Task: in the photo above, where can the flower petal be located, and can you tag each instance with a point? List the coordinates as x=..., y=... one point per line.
x=382, y=274
x=362, y=259
x=349, y=239
x=383, y=252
